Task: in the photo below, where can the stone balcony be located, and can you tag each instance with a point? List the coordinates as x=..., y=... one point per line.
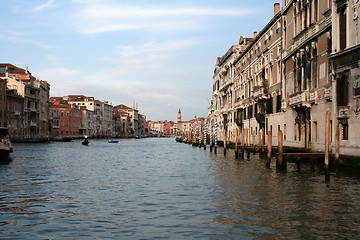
x=304, y=98
x=226, y=85
x=259, y=93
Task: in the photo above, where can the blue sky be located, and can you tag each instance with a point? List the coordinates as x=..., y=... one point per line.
x=158, y=53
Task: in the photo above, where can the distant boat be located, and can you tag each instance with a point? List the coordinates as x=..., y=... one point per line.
x=112, y=141
x=5, y=144
x=137, y=137
x=85, y=142
x=62, y=139
x=30, y=140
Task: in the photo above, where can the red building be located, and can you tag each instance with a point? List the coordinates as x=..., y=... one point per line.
x=66, y=119
x=167, y=127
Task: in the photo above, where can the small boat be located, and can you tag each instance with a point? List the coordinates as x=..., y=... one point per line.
x=5, y=144
x=85, y=142
x=178, y=139
x=112, y=141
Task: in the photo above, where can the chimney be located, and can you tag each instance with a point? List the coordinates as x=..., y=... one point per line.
x=26, y=70
x=255, y=34
x=276, y=8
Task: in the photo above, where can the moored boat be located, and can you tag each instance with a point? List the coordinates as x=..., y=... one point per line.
x=30, y=140
x=112, y=141
x=62, y=139
x=5, y=144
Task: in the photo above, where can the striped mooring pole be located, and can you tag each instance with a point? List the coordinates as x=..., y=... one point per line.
x=200, y=130
x=205, y=134
x=215, y=136
x=210, y=135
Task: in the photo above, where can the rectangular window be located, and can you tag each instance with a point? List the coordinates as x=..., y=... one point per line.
x=269, y=106
x=342, y=25
x=278, y=103
x=342, y=91
x=284, y=131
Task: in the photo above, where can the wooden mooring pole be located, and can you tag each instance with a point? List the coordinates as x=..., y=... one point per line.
x=269, y=149
x=327, y=143
x=224, y=141
x=263, y=139
x=236, y=143
x=337, y=145
x=280, y=161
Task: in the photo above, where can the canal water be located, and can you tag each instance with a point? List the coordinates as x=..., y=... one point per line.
x=155, y=188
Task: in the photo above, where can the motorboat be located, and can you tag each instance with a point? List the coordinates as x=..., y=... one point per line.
x=112, y=141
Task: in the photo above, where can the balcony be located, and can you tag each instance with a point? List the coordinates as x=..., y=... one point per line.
x=55, y=127
x=226, y=85
x=301, y=99
x=32, y=124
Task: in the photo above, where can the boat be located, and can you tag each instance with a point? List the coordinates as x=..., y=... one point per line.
x=179, y=139
x=30, y=140
x=137, y=137
x=85, y=142
x=5, y=144
x=112, y=141
x=62, y=139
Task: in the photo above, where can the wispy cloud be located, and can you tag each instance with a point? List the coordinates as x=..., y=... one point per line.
x=118, y=12
x=24, y=38
x=43, y=6
x=105, y=17
x=154, y=47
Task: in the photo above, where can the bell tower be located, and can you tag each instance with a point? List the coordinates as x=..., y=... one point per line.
x=179, y=117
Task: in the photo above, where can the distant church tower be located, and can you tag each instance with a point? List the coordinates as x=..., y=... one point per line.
x=179, y=116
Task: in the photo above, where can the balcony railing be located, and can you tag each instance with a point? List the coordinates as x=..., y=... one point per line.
x=300, y=99
x=259, y=93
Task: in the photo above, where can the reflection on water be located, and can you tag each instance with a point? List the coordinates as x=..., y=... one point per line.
x=157, y=188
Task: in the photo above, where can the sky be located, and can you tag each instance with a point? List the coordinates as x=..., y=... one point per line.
x=160, y=54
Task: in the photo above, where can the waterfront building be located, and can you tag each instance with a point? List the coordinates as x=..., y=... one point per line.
x=3, y=100
x=307, y=83
x=27, y=86
x=107, y=119
x=15, y=114
x=66, y=118
x=102, y=114
x=131, y=125
x=168, y=127
x=121, y=122
x=345, y=55
x=156, y=128
x=87, y=122
x=302, y=63
x=142, y=125
x=44, y=104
